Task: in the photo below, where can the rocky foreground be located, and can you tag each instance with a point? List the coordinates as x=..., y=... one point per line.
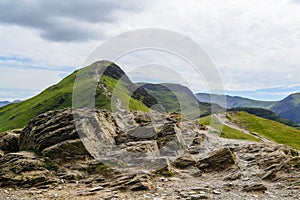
x=139, y=156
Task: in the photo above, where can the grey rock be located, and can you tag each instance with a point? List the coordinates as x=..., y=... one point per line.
x=9, y=141
x=253, y=187
x=184, y=161
x=216, y=160
x=23, y=169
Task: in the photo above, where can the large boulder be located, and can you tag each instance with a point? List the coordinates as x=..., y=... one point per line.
x=216, y=160
x=48, y=129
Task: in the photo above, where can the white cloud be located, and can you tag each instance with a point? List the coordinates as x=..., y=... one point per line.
x=255, y=44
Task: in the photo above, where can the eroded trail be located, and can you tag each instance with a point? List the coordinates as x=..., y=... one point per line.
x=222, y=118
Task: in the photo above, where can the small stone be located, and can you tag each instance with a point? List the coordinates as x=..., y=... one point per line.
x=95, y=189
x=198, y=196
x=216, y=192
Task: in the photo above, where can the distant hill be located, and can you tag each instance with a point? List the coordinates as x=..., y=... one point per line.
x=234, y=101
x=267, y=114
x=14, y=116
x=289, y=108
x=4, y=103
x=178, y=98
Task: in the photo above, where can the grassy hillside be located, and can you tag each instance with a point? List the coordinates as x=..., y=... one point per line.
x=272, y=130
x=59, y=96
x=227, y=132
x=267, y=114
x=177, y=98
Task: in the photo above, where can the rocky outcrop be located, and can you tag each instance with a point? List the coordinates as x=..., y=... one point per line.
x=157, y=155
x=48, y=129
x=217, y=160
x=23, y=169
x=9, y=141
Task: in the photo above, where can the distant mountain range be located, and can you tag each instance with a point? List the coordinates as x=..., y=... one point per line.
x=178, y=98
x=234, y=101
x=4, y=103
x=288, y=108
x=138, y=96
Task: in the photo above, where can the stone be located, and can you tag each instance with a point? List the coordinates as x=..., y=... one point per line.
x=95, y=189
x=254, y=187
x=9, y=141
x=23, y=169
x=233, y=176
x=48, y=129
x=184, y=161
x=65, y=151
x=199, y=139
x=198, y=196
x=216, y=160
x=217, y=192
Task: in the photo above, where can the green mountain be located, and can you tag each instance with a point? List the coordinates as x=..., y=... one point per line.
x=233, y=101
x=14, y=116
x=178, y=98
x=289, y=108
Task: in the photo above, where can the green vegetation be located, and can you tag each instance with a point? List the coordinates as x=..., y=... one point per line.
x=59, y=96
x=55, y=97
x=267, y=114
x=99, y=168
x=226, y=131
x=178, y=98
x=122, y=93
x=269, y=129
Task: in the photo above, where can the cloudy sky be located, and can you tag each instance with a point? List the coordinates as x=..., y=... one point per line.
x=254, y=44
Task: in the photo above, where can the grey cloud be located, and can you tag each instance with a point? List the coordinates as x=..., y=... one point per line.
x=49, y=16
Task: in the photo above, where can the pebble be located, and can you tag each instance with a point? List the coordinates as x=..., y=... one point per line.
x=198, y=196
x=216, y=192
x=95, y=189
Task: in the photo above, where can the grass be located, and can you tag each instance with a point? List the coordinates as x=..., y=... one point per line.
x=269, y=129
x=177, y=98
x=59, y=96
x=119, y=88
x=226, y=131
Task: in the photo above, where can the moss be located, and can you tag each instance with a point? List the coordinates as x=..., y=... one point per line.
x=165, y=171
x=99, y=168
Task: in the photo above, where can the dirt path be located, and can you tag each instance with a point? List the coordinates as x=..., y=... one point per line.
x=222, y=118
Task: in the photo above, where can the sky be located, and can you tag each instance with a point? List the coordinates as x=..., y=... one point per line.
x=255, y=45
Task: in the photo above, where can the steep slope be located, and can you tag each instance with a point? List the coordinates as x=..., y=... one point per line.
x=178, y=98
x=59, y=96
x=289, y=108
x=234, y=101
